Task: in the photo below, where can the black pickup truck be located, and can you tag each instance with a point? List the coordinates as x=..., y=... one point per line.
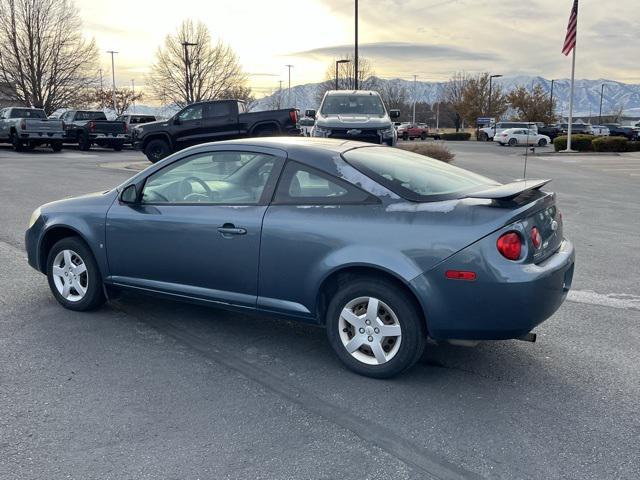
x=88, y=127
x=210, y=121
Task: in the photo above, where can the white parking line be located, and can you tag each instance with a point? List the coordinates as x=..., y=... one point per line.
x=624, y=301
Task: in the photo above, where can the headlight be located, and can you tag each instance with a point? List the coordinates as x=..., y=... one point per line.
x=386, y=132
x=34, y=217
x=317, y=131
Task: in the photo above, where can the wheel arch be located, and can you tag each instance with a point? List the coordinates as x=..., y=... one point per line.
x=330, y=284
x=157, y=136
x=265, y=125
x=53, y=235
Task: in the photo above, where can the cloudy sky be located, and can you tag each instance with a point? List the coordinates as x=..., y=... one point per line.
x=428, y=38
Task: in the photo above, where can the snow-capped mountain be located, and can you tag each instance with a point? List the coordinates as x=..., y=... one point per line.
x=586, y=99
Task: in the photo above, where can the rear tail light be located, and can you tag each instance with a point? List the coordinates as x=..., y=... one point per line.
x=23, y=124
x=293, y=115
x=510, y=245
x=536, y=238
x=91, y=126
x=126, y=129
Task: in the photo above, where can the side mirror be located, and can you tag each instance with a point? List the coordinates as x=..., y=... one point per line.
x=394, y=113
x=129, y=194
x=310, y=113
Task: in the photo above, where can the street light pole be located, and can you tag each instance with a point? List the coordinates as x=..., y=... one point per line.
x=113, y=80
x=414, y=99
x=133, y=94
x=491, y=77
x=337, y=62
x=187, y=83
x=355, y=57
x=601, y=95
x=280, y=95
x=289, y=89
x=551, y=102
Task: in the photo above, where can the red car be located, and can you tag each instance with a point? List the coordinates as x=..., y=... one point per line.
x=411, y=131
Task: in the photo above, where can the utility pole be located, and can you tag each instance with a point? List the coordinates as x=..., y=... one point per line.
x=337, y=63
x=491, y=77
x=289, y=89
x=187, y=83
x=133, y=94
x=280, y=95
x=414, y=98
x=113, y=79
x=551, y=102
x=355, y=57
x=601, y=95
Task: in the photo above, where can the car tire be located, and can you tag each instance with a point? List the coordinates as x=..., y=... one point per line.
x=84, y=143
x=73, y=275
x=542, y=142
x=17, y=144
x=117, y=147
x=56, y=146
x=423, y=136
x=156, y=150
x=397, y=313
x=513, y=142
x=405, y=136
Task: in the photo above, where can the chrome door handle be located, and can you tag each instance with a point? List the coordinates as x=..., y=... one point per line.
x=230, y=229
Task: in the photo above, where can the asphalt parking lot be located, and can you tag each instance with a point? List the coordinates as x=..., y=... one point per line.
x=145, y=388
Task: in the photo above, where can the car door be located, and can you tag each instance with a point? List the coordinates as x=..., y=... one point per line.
x=221, y=120
x=190, y=127
x=195, y=229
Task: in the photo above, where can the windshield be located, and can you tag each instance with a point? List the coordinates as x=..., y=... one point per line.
x=90, y=116
x=352, y=105
x=27, y=113
x=413, y=176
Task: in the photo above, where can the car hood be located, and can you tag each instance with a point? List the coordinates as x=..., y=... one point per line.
x=353, y=121
x=79, y=203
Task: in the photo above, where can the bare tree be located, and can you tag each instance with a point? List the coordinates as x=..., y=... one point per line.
x=346, y=76
x=43, y=55
x=190, y=68
x=469, y=97
x=124, y=99
x=395, y=96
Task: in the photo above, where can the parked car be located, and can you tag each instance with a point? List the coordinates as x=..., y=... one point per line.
x=576, y=128
x=355, y=115
x=91, y=127
x=26, y=128
x=487, y=133
x=306, y=124
x=551, y=131
x=208, y=121
x=413, y=131
x=521, y=136
x=599, y=130
x=131, y=120
x=617, y=130
x=469, y=258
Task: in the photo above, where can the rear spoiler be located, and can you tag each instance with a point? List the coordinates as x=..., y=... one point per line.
x=510, y=190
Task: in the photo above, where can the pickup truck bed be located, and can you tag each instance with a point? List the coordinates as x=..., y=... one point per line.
x=88, y=127
x=26, y=128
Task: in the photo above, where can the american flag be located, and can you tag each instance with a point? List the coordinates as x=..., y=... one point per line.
x=572, y=30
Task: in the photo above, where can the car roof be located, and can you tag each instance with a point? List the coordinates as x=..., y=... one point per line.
x=359, y=93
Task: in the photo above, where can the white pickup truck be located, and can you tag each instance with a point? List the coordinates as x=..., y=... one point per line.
x=354, y=115
x=26, y=128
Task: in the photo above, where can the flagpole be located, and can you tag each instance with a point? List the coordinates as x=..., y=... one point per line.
x=573, y=72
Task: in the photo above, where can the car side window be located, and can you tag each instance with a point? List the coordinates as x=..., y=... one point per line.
x=219, y=178
x=222, y=109
x=191, y=113
x=302, y=185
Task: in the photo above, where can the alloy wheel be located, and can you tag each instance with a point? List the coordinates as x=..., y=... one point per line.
x=70, y=275
x=370, y=330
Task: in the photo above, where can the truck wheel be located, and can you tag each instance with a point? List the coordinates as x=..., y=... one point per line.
x=405, y=136
x=18, y=146
x=156, y=150
x=117, y=147
x=56, y=146
x=267, y=132
x=84, y=143
x=423, y=136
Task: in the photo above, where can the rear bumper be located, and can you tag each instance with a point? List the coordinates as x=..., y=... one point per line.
x=108, y=136
x=42, y=136
x=507, y=300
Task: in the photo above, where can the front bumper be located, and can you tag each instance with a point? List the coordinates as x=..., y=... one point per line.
x=507, y=300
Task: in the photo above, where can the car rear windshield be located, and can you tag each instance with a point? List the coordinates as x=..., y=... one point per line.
x=90, y=116
x=352, y=105
x=415, y=177
x=27, y=113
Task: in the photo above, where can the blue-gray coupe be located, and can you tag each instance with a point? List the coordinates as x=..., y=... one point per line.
x=383, y=247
